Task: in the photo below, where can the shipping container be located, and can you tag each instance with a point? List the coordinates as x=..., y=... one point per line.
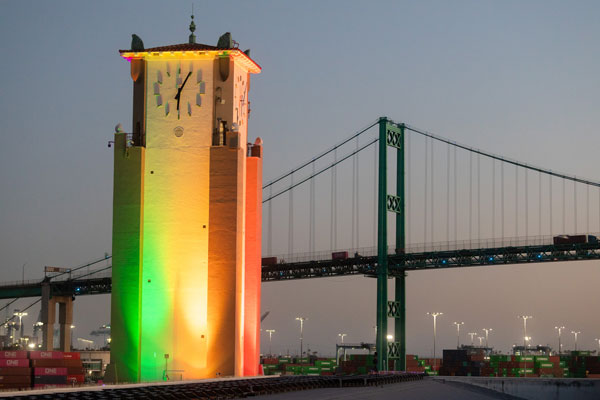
x=266, y=261
x=18, y=362
x=13, y=354
x=339, y=255
x=40, y=371
x=54, y=355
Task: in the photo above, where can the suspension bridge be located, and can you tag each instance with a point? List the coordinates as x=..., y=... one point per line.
x=441, y=204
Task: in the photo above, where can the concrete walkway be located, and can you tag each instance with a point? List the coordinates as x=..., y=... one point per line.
x=418, y=390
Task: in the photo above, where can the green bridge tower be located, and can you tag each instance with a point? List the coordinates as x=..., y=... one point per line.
x=392, y=135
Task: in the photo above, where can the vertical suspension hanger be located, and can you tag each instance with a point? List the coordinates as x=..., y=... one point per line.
x=432, y=215
x=455, y=199
x=375, y=195
x=357, y=197
x=470, y=197
x=353, y=200
x=564, y=207
x=478, y=199
x=448, y=197
x=587, y=207
x=333, y=219
x=540, y=206
x=526, y=203
x=550, y=203
x=270, y=223
x=494, y=200
x=516, y=202
x=425, y=204
x=407, y=193
x=311, y=238
x=291, y=218
x=574, y=208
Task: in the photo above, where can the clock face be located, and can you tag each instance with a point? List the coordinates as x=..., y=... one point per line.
x=178, y=88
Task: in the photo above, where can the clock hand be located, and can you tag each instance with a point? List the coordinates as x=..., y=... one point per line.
x=178, y=95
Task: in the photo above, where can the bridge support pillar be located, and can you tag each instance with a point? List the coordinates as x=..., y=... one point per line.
x=65, y=319
x=400, y=321
x=400, y=289
x=382, y=256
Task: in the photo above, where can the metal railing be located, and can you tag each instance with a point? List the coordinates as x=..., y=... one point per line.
x=490, y=243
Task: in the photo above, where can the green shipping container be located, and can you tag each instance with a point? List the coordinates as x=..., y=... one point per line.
x=524, y=358
x=541, y=358
x=545, y=365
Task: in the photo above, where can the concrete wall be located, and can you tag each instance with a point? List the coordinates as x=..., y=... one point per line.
x=533, y=388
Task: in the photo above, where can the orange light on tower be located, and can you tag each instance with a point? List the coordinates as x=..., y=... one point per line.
x=252, y=277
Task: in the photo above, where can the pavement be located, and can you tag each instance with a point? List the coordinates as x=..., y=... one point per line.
x=416, y=390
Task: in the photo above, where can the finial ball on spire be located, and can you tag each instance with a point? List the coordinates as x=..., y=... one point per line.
x=192, y=29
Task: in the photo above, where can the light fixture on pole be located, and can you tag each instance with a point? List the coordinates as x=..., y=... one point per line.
x=487, y=331
x=271, y=332
x=472, y=334
x=526, y=339
x=71, y=335
x=525, y=318
x=435, y=315
x=480, y=340
x=341, y=335
x=20, y=314
x=458, y=324
x=576, y=335
x=559, y=329
x=301, y=319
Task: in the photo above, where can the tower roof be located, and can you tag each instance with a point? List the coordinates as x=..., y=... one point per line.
x=235, y=52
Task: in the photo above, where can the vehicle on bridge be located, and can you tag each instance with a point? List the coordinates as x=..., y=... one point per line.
x=574, y=239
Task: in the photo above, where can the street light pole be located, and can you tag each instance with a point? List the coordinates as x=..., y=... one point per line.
x=472, y=334
x=20, y=314
x=480, y=340
x=458, y=324
x=576, y=334
x=342, y=336
x=487, y=331
x=435, y=315
x=271, y=332
x=559, y=329
x=598, y=340
x=301, y=319
x=525, y=318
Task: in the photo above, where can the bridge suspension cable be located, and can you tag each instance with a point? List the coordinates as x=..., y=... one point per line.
x=321, y=155
x=505, y=159
x=319, y=172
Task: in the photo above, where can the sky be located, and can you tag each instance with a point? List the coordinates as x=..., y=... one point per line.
x=514, y=78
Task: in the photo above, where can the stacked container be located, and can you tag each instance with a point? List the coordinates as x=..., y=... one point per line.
x=15, y=372
x=56, y=369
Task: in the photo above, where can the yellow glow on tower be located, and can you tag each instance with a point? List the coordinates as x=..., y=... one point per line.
x=180, y=216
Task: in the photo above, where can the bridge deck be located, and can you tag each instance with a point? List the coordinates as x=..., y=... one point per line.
x=359, y=265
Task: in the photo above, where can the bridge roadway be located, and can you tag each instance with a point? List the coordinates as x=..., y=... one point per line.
x=354, y=265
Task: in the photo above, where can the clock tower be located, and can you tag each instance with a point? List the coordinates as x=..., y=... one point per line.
x=186, y=217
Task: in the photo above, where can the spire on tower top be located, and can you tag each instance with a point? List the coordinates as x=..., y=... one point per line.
x=192, y=28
